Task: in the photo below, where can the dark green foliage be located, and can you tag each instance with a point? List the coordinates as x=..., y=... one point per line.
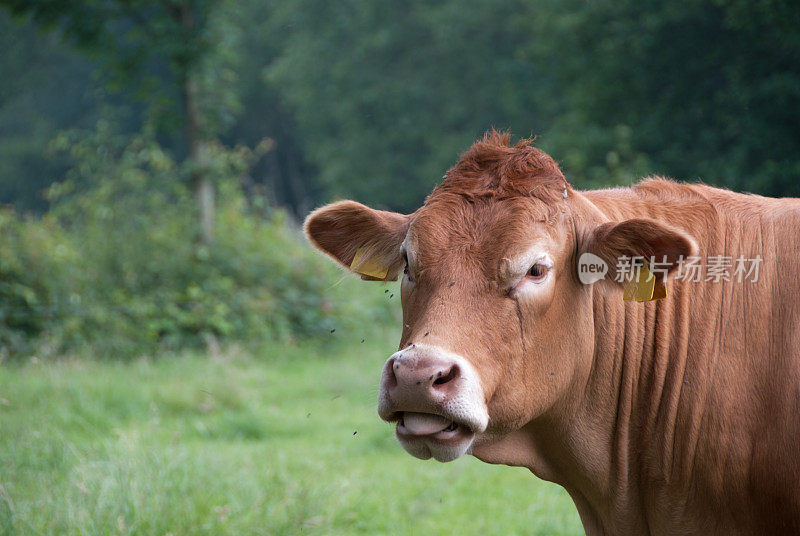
x=145, y=47
x=361, y=97
x=356, y=99
x=113, y=266
x=35, y=262
x=387, y=95
x=701, y=89
x=44, y=87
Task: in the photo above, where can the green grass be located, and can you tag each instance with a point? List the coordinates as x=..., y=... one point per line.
x=287, y=442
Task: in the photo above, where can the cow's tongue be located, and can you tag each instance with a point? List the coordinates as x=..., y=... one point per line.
x=424, y=423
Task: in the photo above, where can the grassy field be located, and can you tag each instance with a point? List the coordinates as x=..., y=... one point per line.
x=283, y=443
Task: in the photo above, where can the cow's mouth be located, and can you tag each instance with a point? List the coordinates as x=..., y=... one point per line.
x=425, y=424
x=427, y=435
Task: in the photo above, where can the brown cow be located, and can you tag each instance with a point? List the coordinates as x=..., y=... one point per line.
x=676, y=416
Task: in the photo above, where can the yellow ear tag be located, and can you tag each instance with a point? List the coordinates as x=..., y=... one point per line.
x=368, y=267
x=659, y=291
x=642, y=286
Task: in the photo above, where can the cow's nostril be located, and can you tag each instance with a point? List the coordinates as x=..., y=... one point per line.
x=391, y=378
x=445, y=376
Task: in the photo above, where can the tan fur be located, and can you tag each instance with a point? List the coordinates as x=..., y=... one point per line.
x=680, y=416
x=342, y=228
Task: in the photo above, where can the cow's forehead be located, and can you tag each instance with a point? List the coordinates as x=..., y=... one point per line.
x=478, y=231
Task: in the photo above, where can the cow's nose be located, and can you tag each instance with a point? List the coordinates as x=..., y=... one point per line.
x=423, y=378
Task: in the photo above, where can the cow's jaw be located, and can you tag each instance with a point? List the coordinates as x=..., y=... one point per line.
x=436, y=399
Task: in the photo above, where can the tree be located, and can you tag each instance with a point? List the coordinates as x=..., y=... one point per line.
x=386, y=95
x=375, y=100
x=706, y=89
x=44, y=88
x=172, y=53
x=283, y=173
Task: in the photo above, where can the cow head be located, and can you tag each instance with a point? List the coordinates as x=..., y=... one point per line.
x=498, y=329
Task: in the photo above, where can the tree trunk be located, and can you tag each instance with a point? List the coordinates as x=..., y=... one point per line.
x=196, y=140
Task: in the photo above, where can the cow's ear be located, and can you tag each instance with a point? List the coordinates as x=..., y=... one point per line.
x=620, y=244
x=363, y=240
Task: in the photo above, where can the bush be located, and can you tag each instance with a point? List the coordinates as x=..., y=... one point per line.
x=115, y=268
x=37, y=264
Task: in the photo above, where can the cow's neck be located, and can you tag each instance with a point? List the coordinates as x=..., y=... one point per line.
x=620, y=436
x=660, y=423
x=628, y=448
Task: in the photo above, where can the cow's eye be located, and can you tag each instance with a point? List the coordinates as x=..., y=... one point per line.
x=538, y=271
x=405, y=269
